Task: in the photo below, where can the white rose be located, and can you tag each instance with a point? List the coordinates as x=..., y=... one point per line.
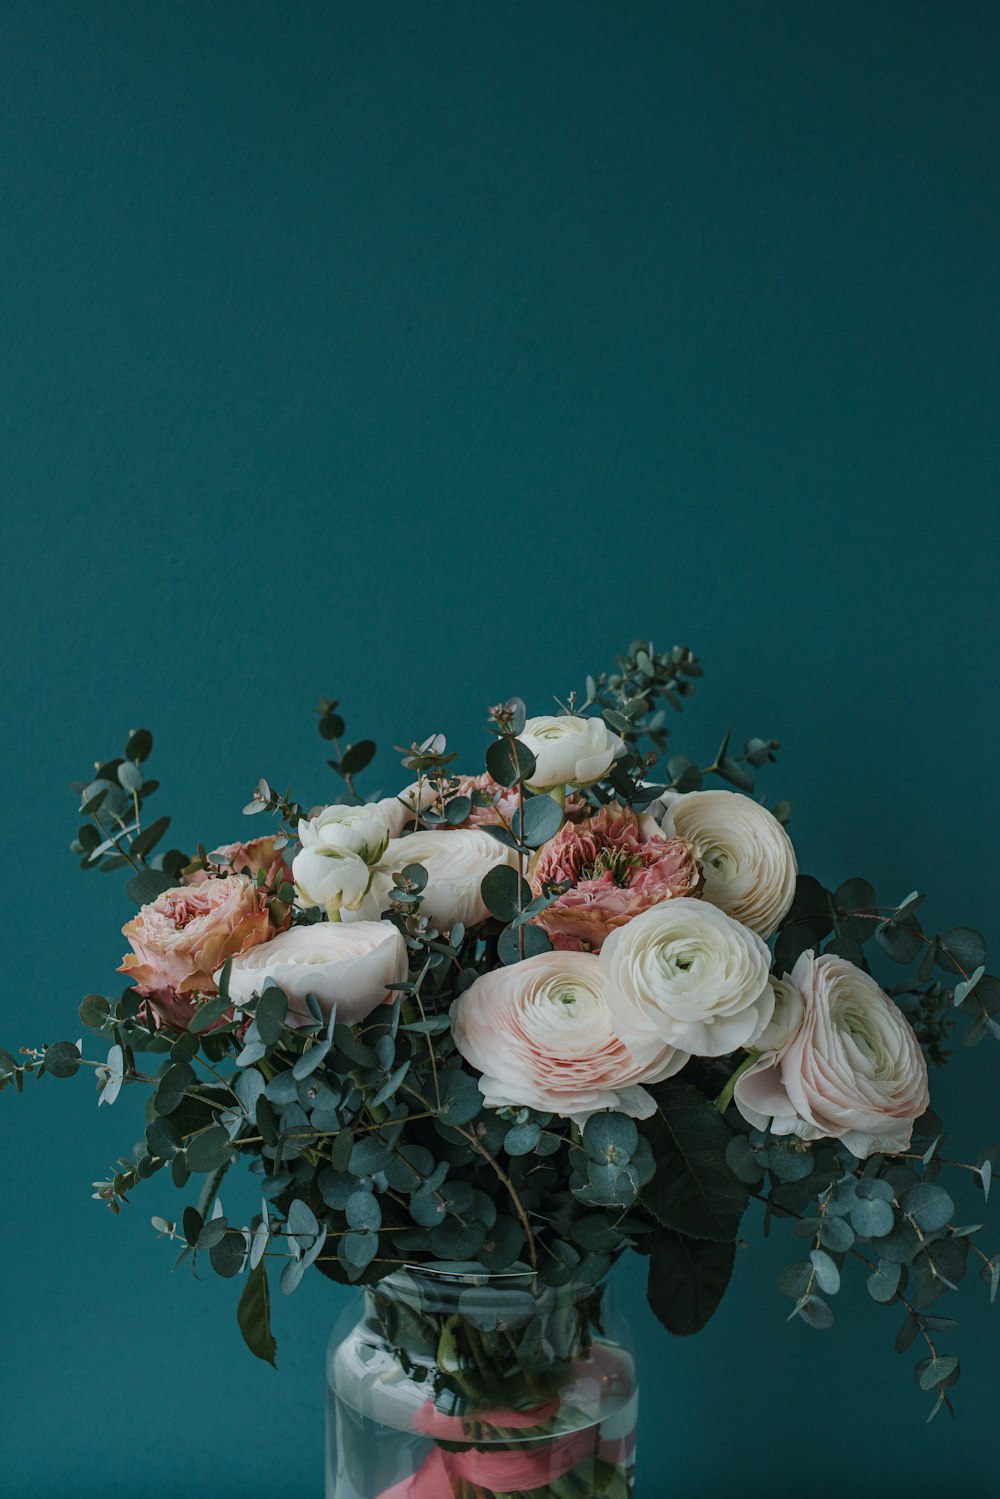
x=354, y=830
x=747, y=856
x=455, y=859
x=541, y=1034
x=331, y=878
x=689, y=975
x=569, y=751
x=347, y=966
x=852, y=1071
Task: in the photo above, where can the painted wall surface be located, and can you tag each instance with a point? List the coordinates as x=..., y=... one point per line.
x=420, y=353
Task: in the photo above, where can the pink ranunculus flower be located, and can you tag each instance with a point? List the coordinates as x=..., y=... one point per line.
x=185, y=936
x=258, y=856
x=618, y=864
x=851, y=1068
x=542, y=1036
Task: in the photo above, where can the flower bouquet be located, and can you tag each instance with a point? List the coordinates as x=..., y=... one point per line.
x=479, y=1037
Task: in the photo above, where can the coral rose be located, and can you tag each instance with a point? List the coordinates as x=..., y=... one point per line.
x=181, y=939
x=617, y=865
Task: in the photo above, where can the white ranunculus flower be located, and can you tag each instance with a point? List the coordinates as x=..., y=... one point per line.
x=689, y=975
x=456, y=859
x=569, y=751
x=332, y=878
x=347, y=966
x=747, y=856
x=354, y=830
x=401, y=809
x=541, y=1034
x=852, y=1071
x=786, y=1019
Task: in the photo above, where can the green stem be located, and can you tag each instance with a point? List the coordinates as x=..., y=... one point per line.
x=725, y=1098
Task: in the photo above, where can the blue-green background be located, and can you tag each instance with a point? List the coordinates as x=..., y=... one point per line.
x=423, y=353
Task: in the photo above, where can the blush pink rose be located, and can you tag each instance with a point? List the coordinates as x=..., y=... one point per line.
x=259, y=856
x=852, y=1068
x=185, y=936
x=617, y=865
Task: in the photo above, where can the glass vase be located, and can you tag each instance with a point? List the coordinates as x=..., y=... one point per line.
x=456, y=1382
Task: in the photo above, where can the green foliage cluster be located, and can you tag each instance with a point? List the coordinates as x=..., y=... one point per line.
x=371, y=1142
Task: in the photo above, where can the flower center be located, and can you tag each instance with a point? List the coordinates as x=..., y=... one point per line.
x=617, y=862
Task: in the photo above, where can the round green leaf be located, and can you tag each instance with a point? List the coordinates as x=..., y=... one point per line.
x=500, y=890
x=62, y=1059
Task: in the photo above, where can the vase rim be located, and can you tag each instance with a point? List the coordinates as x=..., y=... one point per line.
x=464, y=1272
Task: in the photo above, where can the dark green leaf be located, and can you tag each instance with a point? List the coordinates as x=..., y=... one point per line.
x=693, y=1191
x=145, y=887
x=272, y=1007
x=208, y=1150
x=208, y=1014
x=610, y=1137
x=543, y=817
x=62, y=1059
x=140, y=745
x=900, y=940
x=732, y=771
x=228, y=1254
x=937, y=1370
x=687, y=1280
x=461, y=1099
x=961, y=950
x=94, y=1011
x=147, y=840
x=363, y=1211
x=192, y=1223
x=356, y=757
x=173, y=1085
x=814, y=1311
x=883, y=1283
x=523, y=941
x=254, y=1315
x=928, y=1205
x=509, y=761
x=500, y=890
x=521, y=1139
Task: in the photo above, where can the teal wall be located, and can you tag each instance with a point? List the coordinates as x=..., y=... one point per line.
x=419, y=353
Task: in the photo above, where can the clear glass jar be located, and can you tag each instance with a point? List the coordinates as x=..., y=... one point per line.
x=456, y=1382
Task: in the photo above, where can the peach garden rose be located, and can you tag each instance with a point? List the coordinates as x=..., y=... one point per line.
x=180, y=941
x=260, y=856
